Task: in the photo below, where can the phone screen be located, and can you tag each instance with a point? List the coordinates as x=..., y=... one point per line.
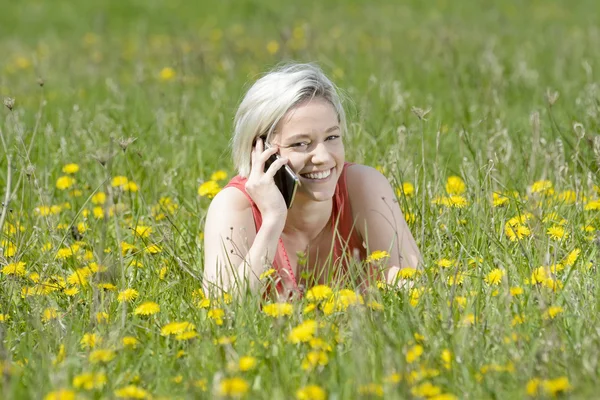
x=285, y=179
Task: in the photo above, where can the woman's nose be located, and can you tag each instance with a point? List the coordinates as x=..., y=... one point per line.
x=320, y=154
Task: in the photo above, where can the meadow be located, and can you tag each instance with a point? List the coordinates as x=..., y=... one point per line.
x=114, y=129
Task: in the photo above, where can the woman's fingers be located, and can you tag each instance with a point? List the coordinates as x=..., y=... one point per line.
x=277, y=164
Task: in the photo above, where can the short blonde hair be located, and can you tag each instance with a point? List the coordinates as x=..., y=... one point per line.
x=270, y=98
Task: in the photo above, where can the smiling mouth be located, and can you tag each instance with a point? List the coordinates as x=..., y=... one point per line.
x=321, y=175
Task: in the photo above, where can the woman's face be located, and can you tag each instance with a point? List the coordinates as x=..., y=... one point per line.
x=310, y=136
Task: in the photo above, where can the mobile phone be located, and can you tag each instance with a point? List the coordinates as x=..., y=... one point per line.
x=285, y=179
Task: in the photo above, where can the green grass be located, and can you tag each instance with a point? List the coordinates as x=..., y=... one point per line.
x=486, y=74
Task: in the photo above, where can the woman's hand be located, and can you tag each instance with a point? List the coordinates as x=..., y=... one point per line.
x=261, y=185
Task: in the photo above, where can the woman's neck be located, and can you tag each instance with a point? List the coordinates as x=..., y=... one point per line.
x=307, y=218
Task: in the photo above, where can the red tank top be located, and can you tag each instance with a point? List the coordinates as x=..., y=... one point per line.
x=347, y=244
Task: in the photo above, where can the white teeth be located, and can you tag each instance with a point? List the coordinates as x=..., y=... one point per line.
x=318, y=175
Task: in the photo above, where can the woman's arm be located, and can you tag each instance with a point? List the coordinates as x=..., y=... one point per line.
x=379, y=219
x=234, y=253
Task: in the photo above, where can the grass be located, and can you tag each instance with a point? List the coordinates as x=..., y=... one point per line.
x=86, y=77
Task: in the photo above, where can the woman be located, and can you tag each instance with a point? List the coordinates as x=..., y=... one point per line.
x=341, y=211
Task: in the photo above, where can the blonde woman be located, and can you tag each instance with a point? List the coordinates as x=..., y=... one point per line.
x=341, y=211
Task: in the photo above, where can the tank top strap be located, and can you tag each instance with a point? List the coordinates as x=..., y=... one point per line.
x=240, y=183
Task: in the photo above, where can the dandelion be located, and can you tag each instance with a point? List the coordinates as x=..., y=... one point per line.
x=247, y=363
x=377, y=255
x=187, y=335
x=552, y=312
x=516, y=291
x=17, y=269
x=414, y=353
x=132, y=392
x=166, y=74
x=267, y=273
x=455, y=185
x=516, y=232
x=318, y=293
x=70, y=168
x=408, y=273
x=101, y=356
x=277, y=310
x=557, y=386
x=99, y=198
x=494, y=277
x=371, y=389
x=209, y=189
x=142, y=231
x=62, y=394
x=127, y=295
x=303, y=332
x=592, y=205
x=153, y=249
x=543, y=186
x=311, y=392
x=233, y=387
x=4, y=317
x=147, y=308
x=218, y=175
x=119, y=181
x=175, y=328
x=499, y=200
x=49, y=314
x=90, y=340
x=572, y=257
x=426, y=389
x=130, y=342
x=216, y=314
x=102, y=317
x=272, y=47
x=557, y=232
x=538, y=276
x=65, y=182
x=89, y=381
x=314, y=359
x=407, y=189
x=375, y=306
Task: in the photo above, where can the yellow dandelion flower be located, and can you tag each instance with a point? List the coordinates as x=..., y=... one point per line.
x=557, y=232
x=147, y=308
x=132, y=392
x=187, y=335
x=407, y=189
x=119, y=181
x=455, y=185
x=538, y=275
x=426, y=390
x=516, y=291
x=414, y=353
x=408, y=273
x=267, y=273
x=303, y=332
x=499, y=199
x=552, y=312
x=127, y=295
x=314, y=359
x=17, y=269
x=375, y=306
x=218, y=175
x=49, y=314
x=167, y=74
x=70, y=168
x=318, y=293
x=153, y=249
x=233, y=387
x=142, y=231
x=277, y=310
x=130, y=342
x=517, y=320
x=272, y=47
x=371, y=389
x=101, y=356
x=592, y=205
x=62, y=394
x=65, y=182
x=247, y=363
x=99, y=198
x=209, y=189
x=557, y=385
x=311, y=392
x=494, y=277
x=516, y=232
x=572, y=257
x=309, y=308
x=90, y=340
x=377, y=255
x=175, y=328
x=4, y=317
x=107, y=286
x=543, y=186
x=102, y=317
x=216, y=314
x=89, y=381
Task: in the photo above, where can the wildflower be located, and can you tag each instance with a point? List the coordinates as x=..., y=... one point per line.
x=494, y=277
x=552, y=312
x=130, y=341
x=543, y=186
x=533, y=386
x=187, y=335
x=175, y=328
x=218, y=175
x=517, y=320
x=99, y=198
x=556, y=386
x=407, y=189
x=499, y=200
x=142, y=231
x=63, y=253
x=272, y=47
x=516, y=291
x=572, y=257
x=455, y=185
x=209, y=189
x=233, y=387
x=414, y=295
x=147, y=308
x=456, y=279
x=426, y=389
x=311, y=392
x=247, y=363
x=469, y=319
x=375, y=306
x=70, y=168
x=89, y=381
x=408, y=273
x=166, y=74
x=107, y=286
x=313, y=359
x=318, y=293
x=216, y=314
x=414, y=353
x=446, y=357
x=309, y=308
x=90, y=340
x=303, y=332
x=276, y=310
x=119, y=181
x=393, y=378
x=4, y=317
x=592, y=205
x=371, y=389
x=49, y=314
x=516, y=232
x=132, y=392
x=131, y=187
x=102, y=317
x=201, y=384
x=62, y=394
x=445, y=263
x=557, y=232
x=153, y=249
x=127, y=295
x=17, y=269
x=377, y=255
x=101, y=356
x=538, y=275
x=65, y=182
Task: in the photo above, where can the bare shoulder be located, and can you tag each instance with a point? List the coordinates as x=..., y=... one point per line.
x=230, y=199
x=366, y=182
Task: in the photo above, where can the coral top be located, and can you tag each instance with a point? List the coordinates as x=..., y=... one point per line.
x=347, y=244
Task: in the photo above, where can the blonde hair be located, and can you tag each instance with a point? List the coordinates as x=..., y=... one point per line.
x=270, y=98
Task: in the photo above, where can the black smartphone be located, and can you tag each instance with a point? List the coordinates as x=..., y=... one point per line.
x=285, y=179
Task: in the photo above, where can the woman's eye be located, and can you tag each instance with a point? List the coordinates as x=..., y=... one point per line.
x=333, y=137
x=299, y=144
